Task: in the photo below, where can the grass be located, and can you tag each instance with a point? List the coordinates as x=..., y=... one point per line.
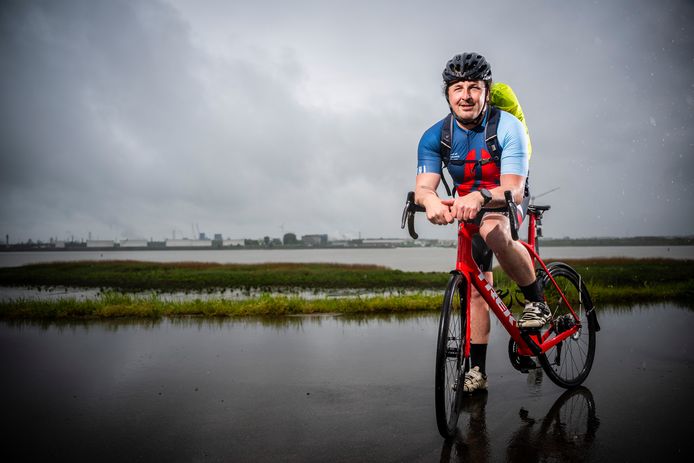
x=116, y=305
x=610, y=281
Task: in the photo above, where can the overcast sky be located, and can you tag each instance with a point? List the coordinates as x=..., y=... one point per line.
x=135, y=119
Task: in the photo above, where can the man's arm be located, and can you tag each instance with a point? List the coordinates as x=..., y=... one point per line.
x=512, y=182
x=425, y=195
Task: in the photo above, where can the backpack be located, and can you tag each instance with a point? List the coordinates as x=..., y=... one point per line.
x=502, y=98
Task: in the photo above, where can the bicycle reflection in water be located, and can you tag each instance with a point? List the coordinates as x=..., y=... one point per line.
x=564, y=434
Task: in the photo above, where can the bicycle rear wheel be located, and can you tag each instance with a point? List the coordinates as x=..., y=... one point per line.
x=449, y=356
x=568, y=363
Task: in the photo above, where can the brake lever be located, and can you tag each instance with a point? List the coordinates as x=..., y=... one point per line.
x=406, y=210
x=408, y=215
x=512, y=214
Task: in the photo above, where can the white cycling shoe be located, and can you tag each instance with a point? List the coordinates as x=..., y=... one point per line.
x=474, y=381
x=535, y=315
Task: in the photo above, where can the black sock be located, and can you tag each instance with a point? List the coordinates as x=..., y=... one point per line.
x=478, y=357
x=533, y=292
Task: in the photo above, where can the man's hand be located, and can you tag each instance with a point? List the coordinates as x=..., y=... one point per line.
x=438, y=211
x=467, y=207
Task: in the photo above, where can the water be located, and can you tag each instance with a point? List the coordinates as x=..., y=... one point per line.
x=54, y=293
x=406, y=259
x=330, y=388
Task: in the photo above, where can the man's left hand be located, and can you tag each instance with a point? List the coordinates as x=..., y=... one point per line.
x=467, y=207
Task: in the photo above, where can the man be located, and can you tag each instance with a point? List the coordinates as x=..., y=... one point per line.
x=467, y=80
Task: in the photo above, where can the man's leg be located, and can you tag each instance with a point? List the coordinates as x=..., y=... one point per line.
x=479, y=328
x=513, y=257
x=516, y=262
x=476, y=378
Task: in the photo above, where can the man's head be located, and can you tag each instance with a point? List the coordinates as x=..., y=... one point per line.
x=467, y=78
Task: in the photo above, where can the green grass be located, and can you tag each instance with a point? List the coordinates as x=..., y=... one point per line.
x=116, y=305
x=610, y=281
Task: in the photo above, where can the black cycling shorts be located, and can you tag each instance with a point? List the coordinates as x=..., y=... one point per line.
x=483, y=256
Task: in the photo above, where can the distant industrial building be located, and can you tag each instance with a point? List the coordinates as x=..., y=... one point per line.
x=188, y=243
x=315, y=240
x=133, y=244
x=383, y=242
x=100, y=243
x=289, y=239
x=240, y=242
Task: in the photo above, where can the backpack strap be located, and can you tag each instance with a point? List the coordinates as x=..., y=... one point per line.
x=445, y=149
x=493, y=146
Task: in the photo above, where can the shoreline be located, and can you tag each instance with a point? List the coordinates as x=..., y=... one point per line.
x=551, y=244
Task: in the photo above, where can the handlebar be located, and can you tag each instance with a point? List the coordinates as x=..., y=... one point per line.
x=411, y=208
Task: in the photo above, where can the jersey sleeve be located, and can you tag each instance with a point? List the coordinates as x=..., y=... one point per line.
x=429, y=151
x=515, y=152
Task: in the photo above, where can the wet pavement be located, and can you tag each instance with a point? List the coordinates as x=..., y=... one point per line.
x=332, y=388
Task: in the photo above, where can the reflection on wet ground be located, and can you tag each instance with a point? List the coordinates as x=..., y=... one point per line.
x=564, y=434
x=331, y=388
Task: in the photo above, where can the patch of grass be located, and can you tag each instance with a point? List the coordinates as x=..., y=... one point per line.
x=113, y=305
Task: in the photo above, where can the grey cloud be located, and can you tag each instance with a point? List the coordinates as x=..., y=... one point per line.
x=138, y=118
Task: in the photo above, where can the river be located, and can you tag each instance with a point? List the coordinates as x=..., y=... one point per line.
x=331, y=388
x=430, y=259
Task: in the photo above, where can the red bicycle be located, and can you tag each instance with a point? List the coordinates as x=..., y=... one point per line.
x=564, y=348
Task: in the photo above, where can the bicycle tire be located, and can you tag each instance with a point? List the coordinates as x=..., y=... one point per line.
x=568, y=431
x=450, y=365
x=573, y=417
x=568, y=363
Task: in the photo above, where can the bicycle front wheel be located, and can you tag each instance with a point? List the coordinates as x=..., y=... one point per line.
x=568, y=363
x=449, y=356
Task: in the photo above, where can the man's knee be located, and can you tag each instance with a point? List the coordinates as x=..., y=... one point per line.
x=496, y=234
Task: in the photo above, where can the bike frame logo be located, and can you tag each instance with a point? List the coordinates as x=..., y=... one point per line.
x=500, y=304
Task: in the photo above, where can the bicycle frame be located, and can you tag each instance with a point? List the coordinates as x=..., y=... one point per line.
x=530, y=343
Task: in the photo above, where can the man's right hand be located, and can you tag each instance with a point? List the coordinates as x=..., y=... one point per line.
x=438, y=211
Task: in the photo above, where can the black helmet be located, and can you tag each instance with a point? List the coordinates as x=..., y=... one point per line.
x=467, y=66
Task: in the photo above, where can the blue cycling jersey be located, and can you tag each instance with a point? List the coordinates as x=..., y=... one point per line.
x=470, y=145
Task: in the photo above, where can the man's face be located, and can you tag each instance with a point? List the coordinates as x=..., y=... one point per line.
x=467, y=98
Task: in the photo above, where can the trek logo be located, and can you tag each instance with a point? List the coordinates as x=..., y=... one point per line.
x=497, y=299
